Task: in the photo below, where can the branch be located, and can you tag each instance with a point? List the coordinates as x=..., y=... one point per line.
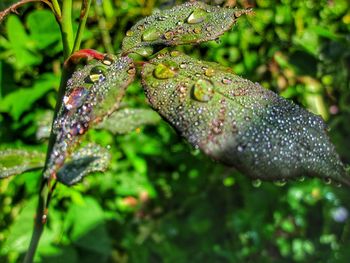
x=13, y=8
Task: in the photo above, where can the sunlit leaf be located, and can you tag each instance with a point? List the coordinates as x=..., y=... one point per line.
x=184, y=24
x=88, y=159
x=127, y=120
x=16, y=161
x=92, y=93
x=238, y=122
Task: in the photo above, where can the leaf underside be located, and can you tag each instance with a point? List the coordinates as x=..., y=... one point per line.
x=238, y=122
x=88, y=159
x=189, y=23
x=93, y=92
x=15, y=161
x=127, y=120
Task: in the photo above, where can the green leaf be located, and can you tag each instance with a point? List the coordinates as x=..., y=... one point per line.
x=127, y=120
x=189, y=23
x=16, y=161
x=238, y=122
x=21, y=100
x=89, y=159
x=44, y=29
x=92, y=93
x=20, y=43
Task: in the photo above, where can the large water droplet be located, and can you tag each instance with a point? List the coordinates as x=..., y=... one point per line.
x=256, y=183
x=75, y=99
x=151, y=34
x=108, y=60
x=209, y=72
x=97, y=74
x=163, y=72
x=281, y=182
x=197, y=16
x=129, y=33
x=145, y=51
x=203, y=90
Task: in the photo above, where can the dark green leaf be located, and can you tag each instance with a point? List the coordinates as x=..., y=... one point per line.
x=92, y=93
x=89, y=159
x=238, y=122
x=184, y=24
x=127, y=120
x=15, y=161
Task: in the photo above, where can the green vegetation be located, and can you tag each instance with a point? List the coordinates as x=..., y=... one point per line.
x=161, y=200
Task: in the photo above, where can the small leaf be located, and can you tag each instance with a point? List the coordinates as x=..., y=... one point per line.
x=127, y=120
x=184, y=24
x=92, y=93
x=16, y=161
x=88, y=159
x=239, y=123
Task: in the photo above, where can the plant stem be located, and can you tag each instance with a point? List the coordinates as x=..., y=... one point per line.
x=67, y=28
x=56, y=8
x=84, y=12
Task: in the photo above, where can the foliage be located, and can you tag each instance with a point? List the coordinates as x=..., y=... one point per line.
x=162, y=201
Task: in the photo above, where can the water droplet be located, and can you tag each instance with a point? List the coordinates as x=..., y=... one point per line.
x=327, y=180
x=151, y=34
x=281, y=182
x=129, y=33
x=107, y=60
x=197, y=16
x=203, y=90
x=256, y=183
x=97, y=74
x=174, y=53
x=75, y=99
x=162, y=71
x=140, y=27
x=145, y=51
x=197, y=30
x=226, y=81
x=168, y=35
x=209, y=72
x=301, y=179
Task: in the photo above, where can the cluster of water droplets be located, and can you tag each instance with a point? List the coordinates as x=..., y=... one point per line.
x=187, y=23
x=92, y=93
x=240, y=123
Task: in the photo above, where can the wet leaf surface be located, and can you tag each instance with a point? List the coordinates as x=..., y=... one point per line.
x=88, y=159
x=184, y=24
x=238, y=122
x=15, y=161
x=92, y=93
x=127, y=120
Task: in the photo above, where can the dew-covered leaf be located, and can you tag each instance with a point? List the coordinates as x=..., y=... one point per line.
x=88, y=159
x=127, y=120
x=184, y=24
x=92, y=93
x=238, y=122
x=17, y=161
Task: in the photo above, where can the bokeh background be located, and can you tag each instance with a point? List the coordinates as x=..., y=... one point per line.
x=161, y=200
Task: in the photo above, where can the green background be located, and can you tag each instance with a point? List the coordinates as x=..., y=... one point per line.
x=161, y=200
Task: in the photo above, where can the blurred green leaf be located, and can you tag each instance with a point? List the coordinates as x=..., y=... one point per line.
x=17, y=161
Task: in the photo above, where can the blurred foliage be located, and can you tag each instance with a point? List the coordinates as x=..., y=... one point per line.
x=160, y=200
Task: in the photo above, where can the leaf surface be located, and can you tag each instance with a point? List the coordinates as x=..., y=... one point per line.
x=88, y=159
x=238, y=122
x=189, y=23
x=127, y=120
x=17, y=161
x=92, y=93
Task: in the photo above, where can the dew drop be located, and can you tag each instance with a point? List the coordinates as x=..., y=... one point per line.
x=168, y=35
x=203, y=90
x=174, y=53
x=129, y=33
x=107, y=60
x=162, y=71
x=281, y=182
x=226, y=81
x=97, y=74
x=145, y=51
x=197, y=30
x=75, y=99
x=197, y=16
x=151, y=34
x=209, y=72
x=327, y=180
x=256, y=183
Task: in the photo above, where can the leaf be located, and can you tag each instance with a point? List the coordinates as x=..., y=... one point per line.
x=16, y=161
x=92, y=93
x=188, y=23
x=238, y=122
x=21, y=100
x=89, y=159
x=127, y=120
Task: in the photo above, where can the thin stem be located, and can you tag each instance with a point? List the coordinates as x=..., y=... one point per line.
x=106, y=39
x=67, y=28
x=56, y=8
x=84, y=12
